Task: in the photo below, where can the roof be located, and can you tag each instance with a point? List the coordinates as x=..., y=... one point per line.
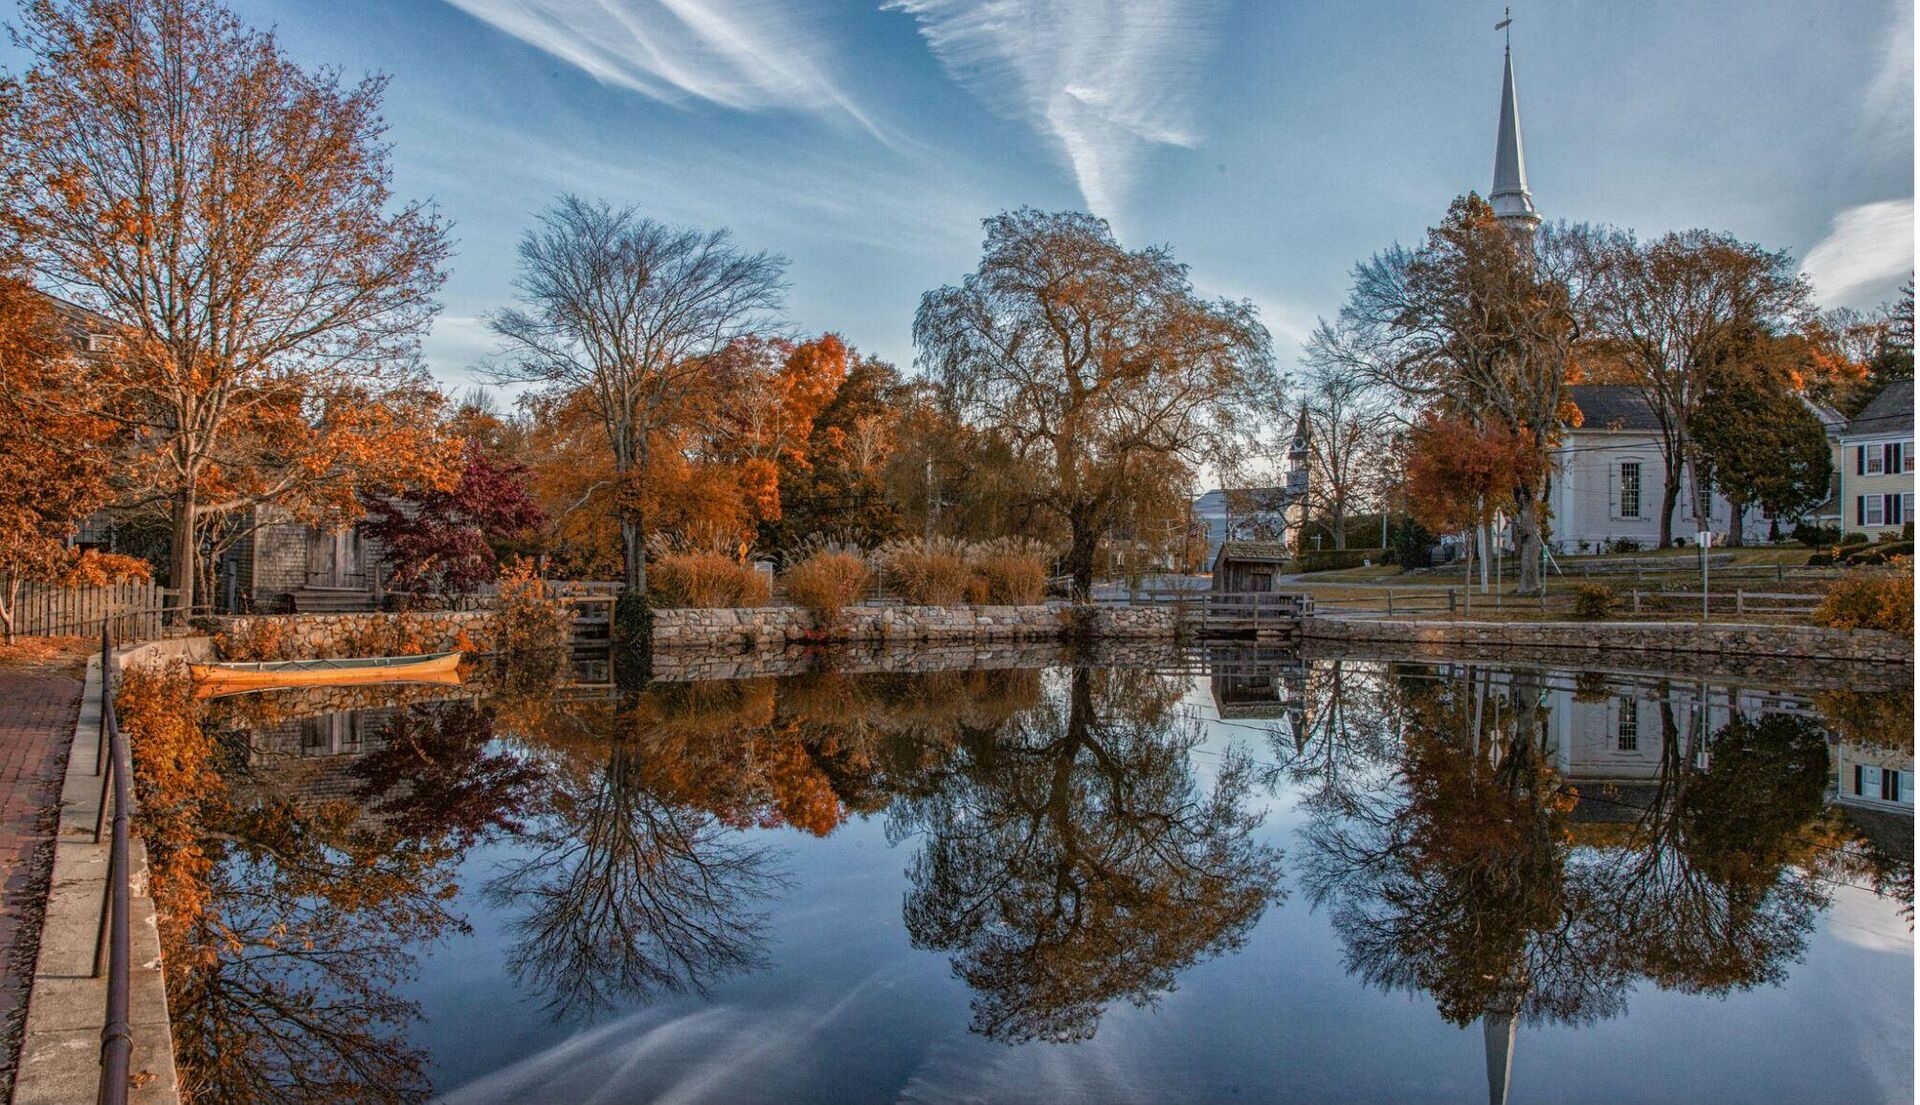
x=1890, y=412
x=1252, y=550
x=1613, y=407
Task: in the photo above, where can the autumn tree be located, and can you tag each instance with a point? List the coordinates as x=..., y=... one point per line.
x=1101, y=365
x=1477, y=323
x=180, y=174
x=449, y=541
x=1677, y=312
x=55, y=467
x=1460, y=471
x=841, y=486
x=623, y=315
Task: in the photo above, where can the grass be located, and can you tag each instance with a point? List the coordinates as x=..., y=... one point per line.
x=1791, y=556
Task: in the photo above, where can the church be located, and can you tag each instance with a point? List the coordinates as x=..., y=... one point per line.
x=1609, y=480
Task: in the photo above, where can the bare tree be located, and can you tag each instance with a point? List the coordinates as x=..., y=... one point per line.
x=178, y=173
x=1100, y=364
x=1349, y=420
x=1481, y=325
x=623, y=310
x=1678, y=309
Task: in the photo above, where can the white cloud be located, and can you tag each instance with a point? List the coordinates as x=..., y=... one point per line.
x=1104, y=78
x=1868, y=248
x=750, y=55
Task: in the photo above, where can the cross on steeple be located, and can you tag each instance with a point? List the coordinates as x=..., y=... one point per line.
x=1506, y=25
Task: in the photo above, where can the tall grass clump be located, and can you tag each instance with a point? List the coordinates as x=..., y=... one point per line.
x=703, y=579
x=1010, y=571
x=927, y=571
x=826, y=578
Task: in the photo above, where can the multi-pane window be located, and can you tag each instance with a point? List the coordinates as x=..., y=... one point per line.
x=1629, y=489
x=1627, y=729
x=1906, y=457
x=1876, y=459
x=1889, y=785
x=1874, y=511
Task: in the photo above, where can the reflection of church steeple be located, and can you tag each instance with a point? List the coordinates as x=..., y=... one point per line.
x=1499, y=1027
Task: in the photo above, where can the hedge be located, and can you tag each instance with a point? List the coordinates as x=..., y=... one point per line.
x=1326, y=560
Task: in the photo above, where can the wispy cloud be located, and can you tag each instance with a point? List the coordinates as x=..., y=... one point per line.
x=749, y=55
x=1106, y=79
x=1886, y=118
x=1869, y=248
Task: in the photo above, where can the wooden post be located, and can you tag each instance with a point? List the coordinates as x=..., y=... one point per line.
x=1739, y=600
x=1636, y=600
x=1451, y=600
x=1389, y=602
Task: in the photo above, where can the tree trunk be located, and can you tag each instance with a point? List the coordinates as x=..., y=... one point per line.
x=1337, y=522
x=1737, y=537
x=1085, y=541
x=1529, y=542
x=1669, y=499
x=633, y=550
x=183, y=560
x=7, y=608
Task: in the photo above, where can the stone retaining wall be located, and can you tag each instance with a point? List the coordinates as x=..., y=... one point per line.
x=326, y=636
x=693, y=663
x=1805, y=642
x=766, y=626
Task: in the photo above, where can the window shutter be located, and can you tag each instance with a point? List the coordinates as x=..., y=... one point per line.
x=1890, y=509
x=1859, y=510
x=1860, y=460
x=1613, y=493
x=1859, y=782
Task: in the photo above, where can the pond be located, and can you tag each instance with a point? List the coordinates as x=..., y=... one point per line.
x=1233, y=876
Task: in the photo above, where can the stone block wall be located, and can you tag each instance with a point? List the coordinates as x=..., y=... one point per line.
x=1806, y=642
x=780, y=625
x=322, y=636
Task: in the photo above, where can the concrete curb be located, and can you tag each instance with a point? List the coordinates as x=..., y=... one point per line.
x=66, y=1007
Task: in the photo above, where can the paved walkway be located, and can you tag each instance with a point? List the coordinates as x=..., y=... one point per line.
x=38, y=708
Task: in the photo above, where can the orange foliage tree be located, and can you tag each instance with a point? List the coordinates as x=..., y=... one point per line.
x=1460, y=472
x=177, y=172
x=54, y=465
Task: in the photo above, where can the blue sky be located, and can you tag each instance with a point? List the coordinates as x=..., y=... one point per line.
x=1270, y=143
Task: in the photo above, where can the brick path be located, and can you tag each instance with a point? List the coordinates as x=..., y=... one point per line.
x=38, y=708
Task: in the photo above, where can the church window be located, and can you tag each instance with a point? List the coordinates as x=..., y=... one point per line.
x=1630, y=489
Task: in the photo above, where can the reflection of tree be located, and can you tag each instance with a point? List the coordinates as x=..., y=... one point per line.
x=1709, y=884
x=431, y=775
x=1458, y=889
x=1070, y=860
x=623, y=895
x=283, y=950
x=1344, y=733
x=1465, y=885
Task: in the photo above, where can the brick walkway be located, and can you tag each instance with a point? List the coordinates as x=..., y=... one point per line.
x=38, y=708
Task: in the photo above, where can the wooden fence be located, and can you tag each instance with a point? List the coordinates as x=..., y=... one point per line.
x=133, y=611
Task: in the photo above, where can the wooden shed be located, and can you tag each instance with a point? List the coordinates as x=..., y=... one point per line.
x=1242, y=566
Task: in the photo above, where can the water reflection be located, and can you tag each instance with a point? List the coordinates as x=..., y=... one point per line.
x=1069, y=859
x=1515, y=844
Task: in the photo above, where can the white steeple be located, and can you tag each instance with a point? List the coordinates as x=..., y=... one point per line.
x=1512, y=203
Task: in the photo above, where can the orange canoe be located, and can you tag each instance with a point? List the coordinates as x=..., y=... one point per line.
x=212, y=680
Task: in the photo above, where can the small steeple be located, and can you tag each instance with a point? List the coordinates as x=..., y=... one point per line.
x=1512, y=203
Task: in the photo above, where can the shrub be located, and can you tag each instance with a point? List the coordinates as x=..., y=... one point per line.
x=1878, y=598
x=703, y=579
x=927, y=571
x=827, y=582
x=1593, y=601
x=1010, y=571
x=1622, y=545
x=1819, y=560
x=528, y=619
x=1816, y=536
x=1854, y=538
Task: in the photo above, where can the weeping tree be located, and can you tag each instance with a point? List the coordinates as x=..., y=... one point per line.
x=1100, y=364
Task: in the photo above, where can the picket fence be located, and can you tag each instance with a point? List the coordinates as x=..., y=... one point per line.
x=133, y=611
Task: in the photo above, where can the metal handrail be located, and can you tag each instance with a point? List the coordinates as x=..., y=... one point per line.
x=115, y=936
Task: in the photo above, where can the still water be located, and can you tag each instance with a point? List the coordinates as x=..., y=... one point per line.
x=1231, y=877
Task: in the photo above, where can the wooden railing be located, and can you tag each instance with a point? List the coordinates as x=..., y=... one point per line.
x=1223, y=612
